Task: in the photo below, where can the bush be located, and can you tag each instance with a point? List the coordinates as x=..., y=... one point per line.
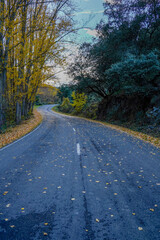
x=38, y=100
x=66, y=105
x=154, y=115
x=90, y=111
x=79, y=101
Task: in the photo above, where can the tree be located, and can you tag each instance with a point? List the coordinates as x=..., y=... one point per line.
x=30, y=37
x=124, y=61
x=135, y=76
x=79, y=101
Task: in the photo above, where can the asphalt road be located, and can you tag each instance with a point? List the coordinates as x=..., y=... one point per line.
x=79, y=180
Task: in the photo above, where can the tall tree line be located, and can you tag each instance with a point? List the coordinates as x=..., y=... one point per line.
x=30, y=37
x=123, y=64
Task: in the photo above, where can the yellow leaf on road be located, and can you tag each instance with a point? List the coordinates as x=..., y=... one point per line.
x=151, y=209
x=5, y=193
x=140, y=228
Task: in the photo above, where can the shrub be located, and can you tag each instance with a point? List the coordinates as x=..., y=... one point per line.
x=66, y=105
x=154, y=115
x=90, y=111
x=79, y=101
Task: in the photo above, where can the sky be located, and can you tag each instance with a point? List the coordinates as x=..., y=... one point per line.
x=87, y=15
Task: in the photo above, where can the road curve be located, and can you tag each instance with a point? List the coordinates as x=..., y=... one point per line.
x=79, y=180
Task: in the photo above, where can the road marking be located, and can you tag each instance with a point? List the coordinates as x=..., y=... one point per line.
x=74, y=129
x=21, y=138
x=78, y=149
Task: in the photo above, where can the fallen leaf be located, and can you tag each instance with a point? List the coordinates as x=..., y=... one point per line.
x=140, y=228
x=5, y=193
x=151, y=209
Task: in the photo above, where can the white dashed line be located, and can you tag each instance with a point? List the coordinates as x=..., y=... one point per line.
x=74, y=129
x=78, y=149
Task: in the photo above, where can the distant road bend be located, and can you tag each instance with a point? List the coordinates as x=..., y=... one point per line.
x=79, y=180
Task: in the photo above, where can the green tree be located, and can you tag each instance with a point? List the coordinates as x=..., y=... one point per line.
x=134, y=76
x=124, y=60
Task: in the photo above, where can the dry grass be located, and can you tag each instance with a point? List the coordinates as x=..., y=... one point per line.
x=19, y=131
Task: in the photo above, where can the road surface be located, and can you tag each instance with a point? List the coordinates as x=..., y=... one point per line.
x=79, y=180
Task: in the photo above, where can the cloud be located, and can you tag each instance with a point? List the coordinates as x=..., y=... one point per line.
x=101, y=11
x=109, y=1
x=91, y=32
x=89, y=12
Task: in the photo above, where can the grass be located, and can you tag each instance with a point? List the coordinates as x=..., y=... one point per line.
x=13, y=133
x=141, y=132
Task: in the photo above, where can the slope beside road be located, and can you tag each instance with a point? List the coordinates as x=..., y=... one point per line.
x=76, y=179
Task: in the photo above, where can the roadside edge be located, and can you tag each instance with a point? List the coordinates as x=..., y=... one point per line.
x=19, y=131
x=142, y=136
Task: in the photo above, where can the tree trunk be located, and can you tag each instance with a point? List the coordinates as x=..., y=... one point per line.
x=18, y=112
x=1, y=66
x=20, y=90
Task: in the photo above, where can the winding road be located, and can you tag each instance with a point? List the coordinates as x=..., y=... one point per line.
x=80, y=180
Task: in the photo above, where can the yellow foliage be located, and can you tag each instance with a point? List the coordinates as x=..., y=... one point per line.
x=79, y=101
x=31, y=33
x=66, y=105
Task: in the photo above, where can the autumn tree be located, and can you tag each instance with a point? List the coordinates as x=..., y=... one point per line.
x=30, y=37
